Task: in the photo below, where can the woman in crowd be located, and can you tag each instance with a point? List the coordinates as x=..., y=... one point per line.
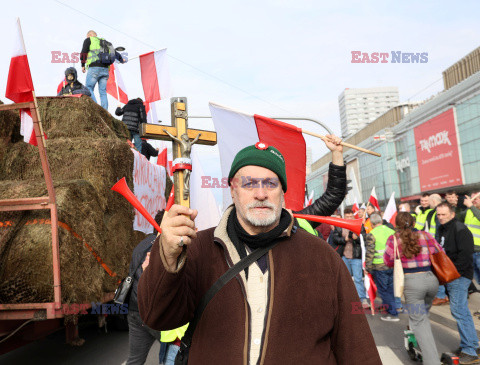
x=421, y=284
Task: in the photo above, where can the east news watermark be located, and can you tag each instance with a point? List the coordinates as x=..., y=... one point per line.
x=389, y=57
x=75, y=57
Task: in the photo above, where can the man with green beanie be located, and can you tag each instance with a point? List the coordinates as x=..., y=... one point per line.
x=293, y=306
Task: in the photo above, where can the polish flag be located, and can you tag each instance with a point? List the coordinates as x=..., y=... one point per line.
x=201, y=197
x=391, y=210
x=355, y=208
x=20, y=85
x=236, y=130
x=155, y=76
x=151, y=112
x=309, y=200
x=116, y=86
x=373, y=199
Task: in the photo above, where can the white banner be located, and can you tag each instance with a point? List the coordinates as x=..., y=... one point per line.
x=149, y=187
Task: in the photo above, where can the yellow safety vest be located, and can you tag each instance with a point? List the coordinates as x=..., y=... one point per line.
x=303, y=223
x=172, y=335
x=473, y=225
x=421, y=218
x=94, y=51
x=432, y=225
x=381, y=234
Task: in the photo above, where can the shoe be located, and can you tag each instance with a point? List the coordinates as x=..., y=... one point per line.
x=400, y=310
x=389, y=318
x=365, y=304
x=464, y=358
x=439, y=301
x=459, y=351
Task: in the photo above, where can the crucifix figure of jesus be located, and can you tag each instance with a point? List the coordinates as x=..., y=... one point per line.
x=185, y=151
x=183, y=139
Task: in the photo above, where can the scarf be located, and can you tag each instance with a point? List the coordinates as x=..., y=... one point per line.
x=240, y=237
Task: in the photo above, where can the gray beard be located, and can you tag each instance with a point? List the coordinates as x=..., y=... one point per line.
x=265, y=221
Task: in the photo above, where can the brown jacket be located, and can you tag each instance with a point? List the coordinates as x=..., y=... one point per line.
x=312, y=313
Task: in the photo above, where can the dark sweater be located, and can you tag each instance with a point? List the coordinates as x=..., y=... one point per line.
x=457, y=241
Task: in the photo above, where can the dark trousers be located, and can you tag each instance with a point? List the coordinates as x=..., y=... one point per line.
x=141, y=339
x=384, y=281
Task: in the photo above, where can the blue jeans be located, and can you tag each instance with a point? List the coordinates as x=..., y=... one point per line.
x=441, y=292
x=384, y=281
x=100, y=75
x=355, y=268
x=458, y=293
x=171, y=354
x=476, y=266
x=137, y=141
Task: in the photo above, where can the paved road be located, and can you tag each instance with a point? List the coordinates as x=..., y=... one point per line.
x=102, y=348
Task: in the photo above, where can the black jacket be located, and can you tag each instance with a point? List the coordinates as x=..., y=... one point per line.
x=333, y=196
x=338, y=240
x=148, y=150
x=133, y=114
x=457, y=241
x=138, y=256
x=73, y=87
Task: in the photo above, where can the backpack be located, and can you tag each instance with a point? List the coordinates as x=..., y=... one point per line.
x=107, y=52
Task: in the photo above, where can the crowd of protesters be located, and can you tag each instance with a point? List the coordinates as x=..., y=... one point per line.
x=435, y=224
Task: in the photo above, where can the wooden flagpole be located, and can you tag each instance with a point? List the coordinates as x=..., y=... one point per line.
x=343, y=143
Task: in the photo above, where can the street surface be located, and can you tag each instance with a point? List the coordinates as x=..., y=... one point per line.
x=112, y=348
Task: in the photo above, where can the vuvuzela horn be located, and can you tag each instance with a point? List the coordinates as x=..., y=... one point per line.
x=354, y=225
x=122, y=188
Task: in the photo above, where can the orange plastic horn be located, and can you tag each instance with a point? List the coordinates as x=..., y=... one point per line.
x=122, y=188
x=354, y=225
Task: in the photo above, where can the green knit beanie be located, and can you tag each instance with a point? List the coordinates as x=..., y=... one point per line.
x=262, y=155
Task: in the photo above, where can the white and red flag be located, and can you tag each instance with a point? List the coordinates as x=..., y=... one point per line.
x=391, y=210
x=373, y=199
x=237, y=130
x=116, y=86
x=155, y=76
x=309, y=200
x=20, y=85
x=355, y=208
x=151, y=112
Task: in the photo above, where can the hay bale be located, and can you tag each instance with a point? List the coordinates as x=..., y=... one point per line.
x=68, y=117
x=87, y=154
x=102, y=162
x=27, y=273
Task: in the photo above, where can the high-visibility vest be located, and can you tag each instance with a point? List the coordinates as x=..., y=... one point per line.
x=303, y=223
x=94, y=51
x=381, y=234
x=432, y=225
x=172, y=335
x=421, y=218
x=473, y=225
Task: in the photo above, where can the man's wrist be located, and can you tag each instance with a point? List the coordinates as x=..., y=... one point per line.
x=337, y=158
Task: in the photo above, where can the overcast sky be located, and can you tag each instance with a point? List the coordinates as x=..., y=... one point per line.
x=269, y=57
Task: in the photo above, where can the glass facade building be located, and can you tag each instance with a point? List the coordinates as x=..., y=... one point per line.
x=397, y=170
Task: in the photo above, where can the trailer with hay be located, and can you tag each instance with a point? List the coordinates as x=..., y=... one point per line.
x=65, y=238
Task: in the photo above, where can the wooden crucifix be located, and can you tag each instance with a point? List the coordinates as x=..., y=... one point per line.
x=183, y=139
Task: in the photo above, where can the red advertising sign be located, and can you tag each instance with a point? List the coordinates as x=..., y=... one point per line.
x=437, y=152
